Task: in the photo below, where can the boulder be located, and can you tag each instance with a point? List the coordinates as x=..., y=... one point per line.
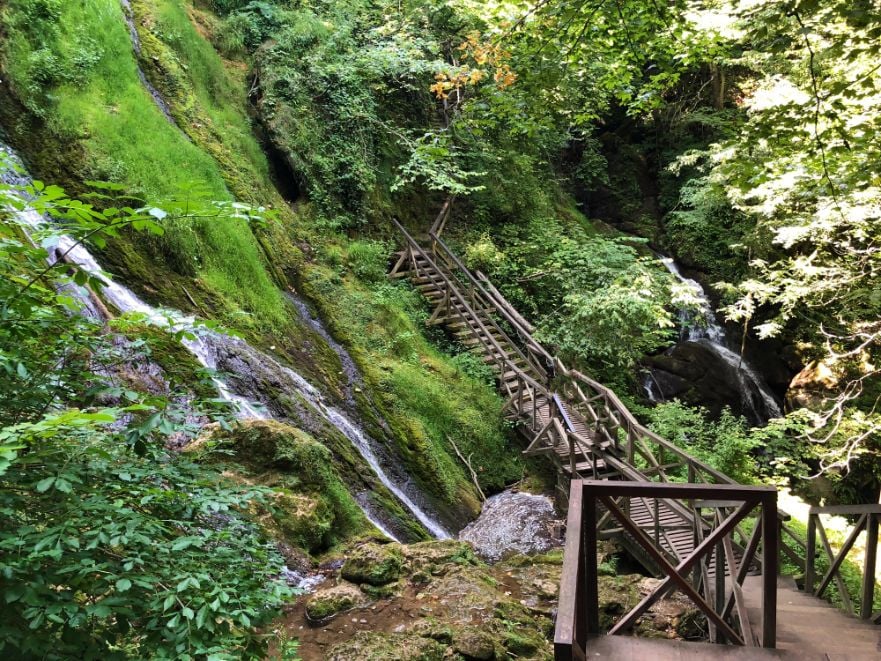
x=513, y=522
x=374, y=564
x=326, y=603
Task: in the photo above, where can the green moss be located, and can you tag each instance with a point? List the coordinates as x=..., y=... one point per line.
x=328, y=602
x=305, y=519
x=425, y=398
x=313, y=508
x=96, y=117
x=522, y=642
x=375, y=646
x=374, y=564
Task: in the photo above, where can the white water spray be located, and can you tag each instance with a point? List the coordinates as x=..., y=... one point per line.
x=707, y=331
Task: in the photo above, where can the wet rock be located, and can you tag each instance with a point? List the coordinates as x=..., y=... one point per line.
x=294, y=558
x=374, y=564
x=512, y=522
x=375, y=646
x=327, y=603
x=696, y=373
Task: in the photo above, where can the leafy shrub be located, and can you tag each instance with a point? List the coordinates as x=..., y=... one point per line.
x=368, y=260
x=725, y=444
x=609, y=307
x=104, y=550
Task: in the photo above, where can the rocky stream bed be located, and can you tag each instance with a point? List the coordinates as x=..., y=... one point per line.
x=441, y=600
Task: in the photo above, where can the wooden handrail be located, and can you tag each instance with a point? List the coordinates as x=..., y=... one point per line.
x=525, y=335
x=506, y=363
x=440, y=222
x=578, y=607
x=869, y=518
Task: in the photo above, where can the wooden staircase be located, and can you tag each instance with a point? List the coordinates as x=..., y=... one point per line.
x=811, y=629
x=591, y=437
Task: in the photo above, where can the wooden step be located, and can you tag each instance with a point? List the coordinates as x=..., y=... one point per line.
x=584, y=467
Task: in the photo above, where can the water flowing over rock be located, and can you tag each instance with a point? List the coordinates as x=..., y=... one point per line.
x=704, y=363
x=129, y=15
x=513, y=522
x=253, y=376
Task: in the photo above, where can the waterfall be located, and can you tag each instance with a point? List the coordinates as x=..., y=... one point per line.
x=212, y=350
x=704, y=328
x=129, y=16
x=366, y=446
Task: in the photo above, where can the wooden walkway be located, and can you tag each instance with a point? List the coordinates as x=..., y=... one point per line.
x=585, y=430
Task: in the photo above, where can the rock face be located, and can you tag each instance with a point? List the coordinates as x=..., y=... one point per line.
x=511, y=523
x=695, y=373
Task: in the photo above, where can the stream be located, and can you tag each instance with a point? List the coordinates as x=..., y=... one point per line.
x=232, y=356
x=703, y=328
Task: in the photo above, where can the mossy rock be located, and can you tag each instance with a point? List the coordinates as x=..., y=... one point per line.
x=329, y=602
x=382, y=591
x=267, y=444
x=476, y=644
x=374, y=564
x=305, y=519
x=375, y=646
x=311, y=508
x=523, y=642
x=430, y=557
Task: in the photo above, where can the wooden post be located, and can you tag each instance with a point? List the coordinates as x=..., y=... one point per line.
x=769, y=571
x=591, y=571
x=869, y=567
x=719, y=588
x=811, y=554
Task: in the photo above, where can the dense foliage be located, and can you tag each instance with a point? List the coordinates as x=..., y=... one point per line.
x=110, y=545
x=739, y=136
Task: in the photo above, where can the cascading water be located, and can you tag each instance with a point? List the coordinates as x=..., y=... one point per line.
x=129, y=15
x=702, y=327
x=356, y=434
x=213, y=351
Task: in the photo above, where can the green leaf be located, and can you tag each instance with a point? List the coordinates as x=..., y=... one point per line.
x=123, y=584
x=45, y=484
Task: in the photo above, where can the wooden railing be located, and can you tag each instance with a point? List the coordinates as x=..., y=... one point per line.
x=458, y=304
x=720, y=601
x=867, y=519
x=489, y=304
x=649, y=456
